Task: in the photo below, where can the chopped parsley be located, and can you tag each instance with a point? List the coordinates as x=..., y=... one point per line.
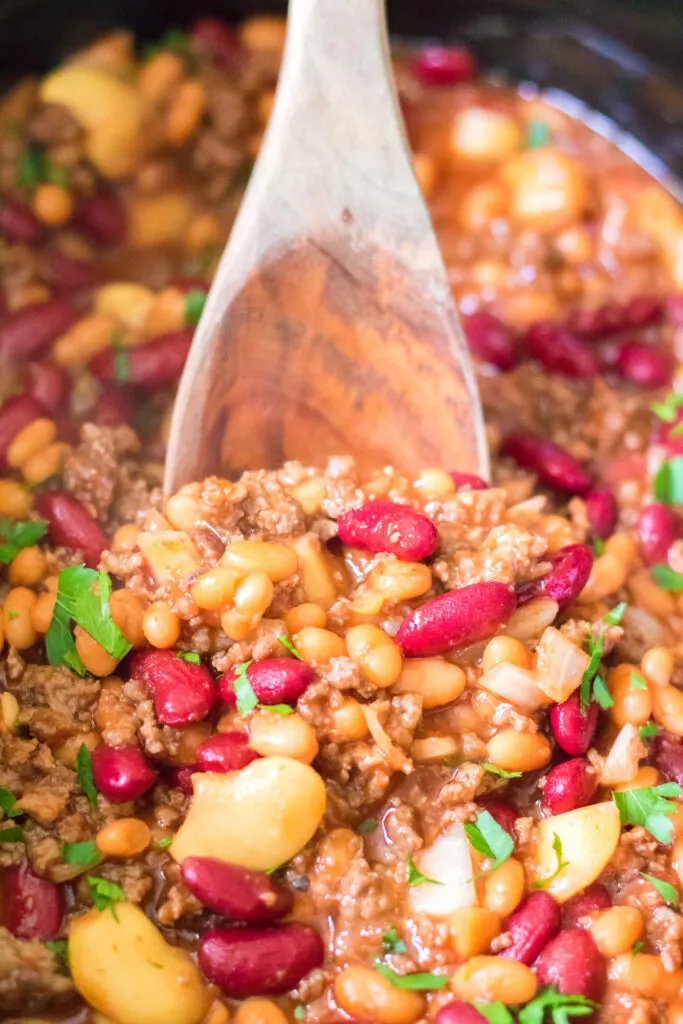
x=489, y=839
x=616, y=614
x=60, y=949
x=278, y=709
x=16, y=536
x=421, y=982
x=11, y=615
x=191, y=656
x=538, y=134
x=83, y=768
x=85, y=854
x=121, y=361
x=163, y=844
x=637, y=946
x=299, y=1012
x=667, y=578
x=559, y=1006
x=369, y=825
x=650, y=808
x=78, y=601
x=666, y=410
x=493, y=769
x=246, y=698
x=598, y=547
x=31, y=168
x=286, y=642
x=13, y=834
x=8, y=803
x=668, y=892
x=391, y=943
x=495, y=1013
x=637, y=682
x=561, y=864
x=105, y=895
x=195, y=301
x=174, y=40
x=667, y=483
x=593, y=686
x=414, y=876
x=648, y=730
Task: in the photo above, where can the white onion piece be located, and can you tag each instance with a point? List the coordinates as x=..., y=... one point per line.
x=622, y=761
x=447, y=861
x=516, y=685
x=560, y=665
x=528, y=622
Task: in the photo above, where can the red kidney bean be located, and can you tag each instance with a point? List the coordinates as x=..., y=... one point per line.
x=259, y=961
x=153, y=365
x=645, y=365
x=560, y=351
x=505, y=815
x=456, y=619
x=573, y=729
x=29, y=331
x=570, y=568
x=101, y=218
x=112, y=408
x=602, y=513
x=72, y=525
x=600, y=323
x=182, y=692
x=457, y=1012
x=475, y=483
x=573, y=962
x=444, y=65
x=15, y=414
x=657, y=531
x=644, y=311
x=48, y=384
x=274, y=681
x=121, y=773
x=532, y=925
x=490, y=340
x=219, y=41
x=68, y=274
x=569, y=785
x=553, y=466
x=225, y=752
x=34, y=907
x=595, y=897
x=181, y=778
x=380, y=526
x=666, y=754
x=674, y=308
x=19, y=224
x=238, y=894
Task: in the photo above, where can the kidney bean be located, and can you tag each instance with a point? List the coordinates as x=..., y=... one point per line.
x=505, y=815
x=602, y=513
x=153, y=365
x=657, y=531
x=101, y=218
x=532, y=925
x=490, y=340
x=29, y=331
x=121, y=773
x=274, y=681
x=181, y=778
x=553, y=466
x=475, y=483
x=238, y=894
x=112, y=408
x=570, y=568
x=48, y=384
x=15, y=414
x=34, y=907
x=19, y=224
x=674, y=308
x=219, y=41
x=569, y=785
x=644, y=311
x=72, y=525
x=600, y=323
x=182, y=692
x=573, y=962
x=380, y=526
x=456, y=619
x=560, y=351
x=595, y=897
x=573, y=729
x=259, y=961
x=225, y=752
x=444, y=65
x=645, y=365
x=457, y=1012
x=68, y=274
x=666, y=754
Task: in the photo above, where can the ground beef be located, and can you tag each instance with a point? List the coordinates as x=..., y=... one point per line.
x=30, y=976
x=53, y=125
x=99, y=471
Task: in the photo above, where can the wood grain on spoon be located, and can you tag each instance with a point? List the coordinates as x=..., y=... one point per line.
x=330, y=327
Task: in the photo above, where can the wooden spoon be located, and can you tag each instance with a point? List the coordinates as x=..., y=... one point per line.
x=329, y=327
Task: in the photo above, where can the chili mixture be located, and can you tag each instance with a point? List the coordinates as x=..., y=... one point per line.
x=310, y=746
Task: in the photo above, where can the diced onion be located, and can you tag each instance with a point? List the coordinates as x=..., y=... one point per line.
x=622, y=761
x=394, y=757
x=449, y=862
x=528, y=622
x=560, y=665
x=516, y=685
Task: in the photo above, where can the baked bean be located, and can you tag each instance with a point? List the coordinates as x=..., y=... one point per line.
x=317, y=646
x=282, y=735
x=366, y=995
x=87, y=337
x=125, y=539
x=348, y=722
x=425, y=170
x=473, y=929
x=632, y=705
x=183, y=509
x=302, y=615
x=518, y=751
x=674, y=1013
x=400, y=581
x=52, y=204
x=16, y=500
x=643, y=974
x=495, y=979
x=505, y=649
x=376, y=654
x=434, y=748
x=97, y=661
x=28, y=567
x=41, y=466
x=251, y=600
x=165, y=315
x=667, y=708
x=125, y=837
x=558, y=531
x=203, y=231
x=624, y=547
x=265, y=33
x=646, y=594
x=643, y=779
x=311, y=493
x=259, y=1011
x=615, y=930
x=32, y=439
x=438, y=681
x=607, y=575
x=503, y=888
x=18, y=612
x=657, y=665
x=218, y=1014
x=9, y=710
x=160, y=624
x=160, y=76
x=43, y=610
x=434, y=484
x=314, y=570
x=185, y=113
x=277, y=561
x=215, y=589
x=127, y=611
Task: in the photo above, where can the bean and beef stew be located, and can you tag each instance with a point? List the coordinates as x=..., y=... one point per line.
x=309, y=745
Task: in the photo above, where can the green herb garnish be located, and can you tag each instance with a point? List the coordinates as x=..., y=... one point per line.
x=122, y=371
x=667, y=409
x=286, y=642
x=105, y=894
x=421, y=982
x=616, y=614
x=493, y=769
x=16, y=536
x=561, y=864
x=194, y=306
x=78, y=601
x=495, y=1013
x=299, y=1012
x=648, y=730
x=244, y=691
x=667, y=483
x=667, y=578
x=60, y=949
x=369, y=825
x=164, y=843
x=85, y=854
x=191, y=656
x=559, y=1006
x=391, y=943
x=650, y=808
x=668, y=892
x=593, y=686
x=637, y=682
x=8, y=804
x=598, y=547
x=538, y=134
x=83, y=768
x=13, y=834
x=489, y=839
x=414, y=876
